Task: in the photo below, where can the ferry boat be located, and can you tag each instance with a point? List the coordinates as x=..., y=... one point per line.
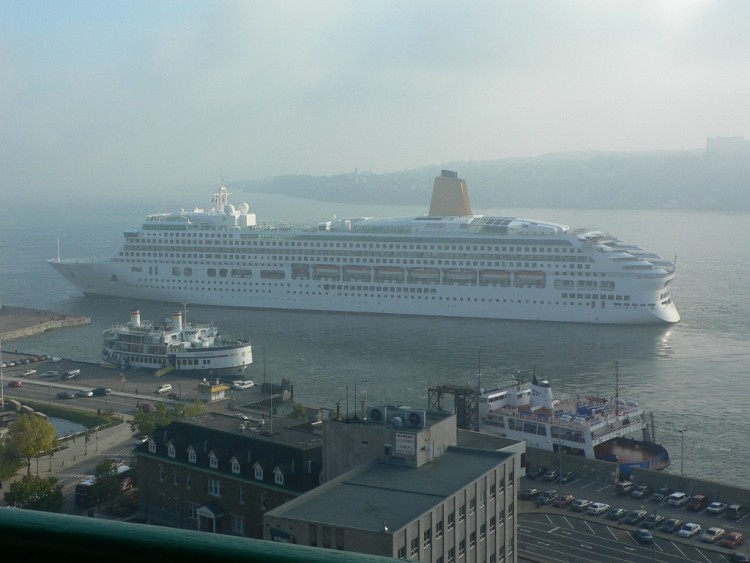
x=588, y=425
x=174, y=344
x=477, y=266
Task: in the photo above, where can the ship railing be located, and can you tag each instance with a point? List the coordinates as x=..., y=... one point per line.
x=594, y=422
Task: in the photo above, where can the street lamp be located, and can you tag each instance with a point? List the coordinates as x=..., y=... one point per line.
x=682, y=449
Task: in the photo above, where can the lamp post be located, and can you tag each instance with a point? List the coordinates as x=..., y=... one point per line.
x=682, y=449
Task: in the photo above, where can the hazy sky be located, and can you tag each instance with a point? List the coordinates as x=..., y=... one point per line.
x=111, y=95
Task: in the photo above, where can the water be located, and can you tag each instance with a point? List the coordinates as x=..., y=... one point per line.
x=66, y=427
x=693, y=375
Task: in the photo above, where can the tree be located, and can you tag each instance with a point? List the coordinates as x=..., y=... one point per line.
x=35, y=493
x=144, y=423
x=10, y=460
x=106, y=482
x=30, y=435
x=298, y=411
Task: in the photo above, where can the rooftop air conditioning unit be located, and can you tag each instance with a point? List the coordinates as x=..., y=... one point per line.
x=377, y=415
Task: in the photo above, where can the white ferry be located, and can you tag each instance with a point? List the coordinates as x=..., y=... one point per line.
x=449, y=262
x=587, y=425
x=174, y=344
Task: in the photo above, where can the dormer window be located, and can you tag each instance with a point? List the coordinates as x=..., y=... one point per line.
x=192, y=458
x=213, y=461
x=235, y=466
x=152, y=446
x=258, y=471
x=278, y=476
x=171, y=450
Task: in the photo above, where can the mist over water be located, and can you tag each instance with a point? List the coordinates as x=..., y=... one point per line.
x=693, y=374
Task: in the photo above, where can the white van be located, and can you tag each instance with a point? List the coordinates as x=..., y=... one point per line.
x=165, y=388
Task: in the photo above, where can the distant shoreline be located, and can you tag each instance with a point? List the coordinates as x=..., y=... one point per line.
x=19, y=322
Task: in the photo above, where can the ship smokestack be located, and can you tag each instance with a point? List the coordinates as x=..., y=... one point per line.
x=135, y=318
x=177, y=321
x=450, y=196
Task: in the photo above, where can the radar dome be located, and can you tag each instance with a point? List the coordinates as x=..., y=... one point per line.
x=229, y=209
x=244, y=208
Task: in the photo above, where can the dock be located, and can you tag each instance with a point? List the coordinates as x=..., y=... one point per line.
x=20, y=322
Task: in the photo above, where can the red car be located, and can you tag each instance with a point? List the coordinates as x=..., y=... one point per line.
x=15, y=384
x=733, y=540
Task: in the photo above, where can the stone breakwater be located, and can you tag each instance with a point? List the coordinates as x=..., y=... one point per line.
x=18, y=322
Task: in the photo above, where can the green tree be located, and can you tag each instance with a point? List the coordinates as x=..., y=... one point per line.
x=144, y=423
x=298, y=411
x=31, y=435
x=106, y=485
x=10, y=460
x=35, y=493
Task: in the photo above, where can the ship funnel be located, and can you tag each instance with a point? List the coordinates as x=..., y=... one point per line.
x=450, y=196
x=135, y=318
x=177, y=321
x=541, y=394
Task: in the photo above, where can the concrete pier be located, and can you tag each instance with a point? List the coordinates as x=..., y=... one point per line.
x=19, y=322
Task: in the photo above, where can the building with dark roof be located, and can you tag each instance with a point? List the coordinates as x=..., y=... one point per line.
x=219, y=473
x=398, y=486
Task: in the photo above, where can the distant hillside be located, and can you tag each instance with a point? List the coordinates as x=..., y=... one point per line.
x=675, y=180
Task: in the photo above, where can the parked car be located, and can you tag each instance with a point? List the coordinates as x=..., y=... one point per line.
x=641, y=491
x=624, y=488
x=550, y=475
x=677, y=499
x=240, y=385
x=597, y=508
x=15, y=383
x=713, y=535
x=739, y=558
x=547, y=497
x=733, y=540
x=242, y=415
x=661, y=494
x=672, y=525
x=529, y=494
x=66, y=395
x=580, y=505
x=164, y=388
x=689, y=530
x=736, y=511
x=536, y=472
x=716, y=508
x=616, y=513
x=84, y=393
x=697, y=502
x=643, y=536
x=29, y=373
x=51, y=373
x=566, y=477
x=147, y=407
x=564, y=501
x=70, y=374
x=635, y=517
x=653, y=521
x=102, y=391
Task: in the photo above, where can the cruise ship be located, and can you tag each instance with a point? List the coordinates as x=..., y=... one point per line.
x=174, y=345
x=449, y=262
x=588, y=425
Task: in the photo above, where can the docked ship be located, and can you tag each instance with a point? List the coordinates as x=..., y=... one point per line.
x=173, y=344
x=449, y=262
x=588, y=425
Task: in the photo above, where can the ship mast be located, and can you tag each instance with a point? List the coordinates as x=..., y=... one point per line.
x=617, y=387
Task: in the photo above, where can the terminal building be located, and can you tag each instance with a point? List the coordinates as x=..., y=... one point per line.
x=399, y=484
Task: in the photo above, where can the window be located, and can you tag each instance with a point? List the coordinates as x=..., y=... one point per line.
x=472, y=540
x=258, y=471
x=414, y=547
x=214, y=487
x=161, y=473
x=401, y=552
x=451, y=520
x=278, y=477
x=472, y=506
x=171, y=450
x=461, y=513
x=213, y=461
x=242, y=495
x=192, y=510
x=492, y=524
x=427, y=538
x=176, y=478
x=462, y=548
x=235, y=466
x=452, y=555
x=439, y=530
x=492, y=492
x=191, y=456
x=482, y=532
x=237, y=524
x=188, y=480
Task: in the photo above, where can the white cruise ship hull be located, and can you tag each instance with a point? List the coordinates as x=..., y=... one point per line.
x=449, y=263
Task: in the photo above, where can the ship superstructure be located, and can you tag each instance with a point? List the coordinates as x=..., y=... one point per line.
x=450, y=262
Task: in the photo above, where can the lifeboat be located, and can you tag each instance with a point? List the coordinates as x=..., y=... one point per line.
x=424, y=274
x=327, y=270
x=390, y=272
x=460, y=275
x=530, y=276
x=494, y=275
x=357, y=271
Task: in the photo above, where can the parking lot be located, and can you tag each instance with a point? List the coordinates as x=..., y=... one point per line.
x=550, y=533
